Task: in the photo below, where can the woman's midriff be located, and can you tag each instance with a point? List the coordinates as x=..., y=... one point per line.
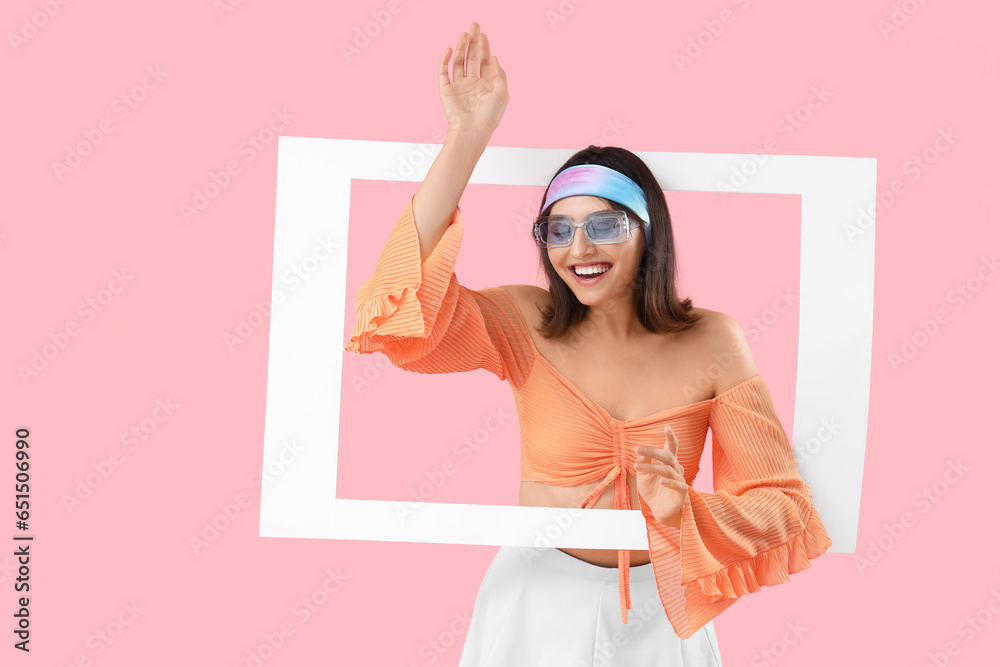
x=537, y=494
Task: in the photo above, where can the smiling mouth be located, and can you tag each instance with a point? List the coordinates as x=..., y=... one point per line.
x=586, y=270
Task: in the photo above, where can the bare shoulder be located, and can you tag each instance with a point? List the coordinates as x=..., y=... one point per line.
x=723, y=347
x=530, y=300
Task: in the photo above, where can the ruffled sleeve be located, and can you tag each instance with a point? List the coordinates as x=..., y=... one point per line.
x=758, y=527
x=423, y=320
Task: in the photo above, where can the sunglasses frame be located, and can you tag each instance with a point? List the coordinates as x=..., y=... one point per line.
x=624, y=219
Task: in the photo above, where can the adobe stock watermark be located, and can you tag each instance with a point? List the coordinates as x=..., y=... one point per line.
x=823, y=435
x=610, y=132
x=924, y=501
x=8, y=568
x=31, y=24
x=761, y=323
x=105, y=636
x=926, y=329
x=722, y=360
x=408, y=163
x=248, y=149
x=561, y=12
x=121, y=108
x=968, y=628
x=707, y=376
x=463, y=449
x=323, y=249
x=787, y=125
x=305, y=608
x=899, y=16
x=40, y=358
x=434, y=648
x=133, y=438
x=372, y=368
x=603, y=651
x=753, y=329
x=778, y=649
x=365, y=34
x=230, y=511
x=224, y=7
x=701, y=41
x=914, y=167
x=545, y=538
x=415, y=158
x=524, y=220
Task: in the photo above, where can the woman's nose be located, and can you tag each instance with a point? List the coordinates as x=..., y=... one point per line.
x=581, y=244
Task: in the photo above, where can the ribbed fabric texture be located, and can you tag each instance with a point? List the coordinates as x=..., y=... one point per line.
x=424, y=321
x=758, y=526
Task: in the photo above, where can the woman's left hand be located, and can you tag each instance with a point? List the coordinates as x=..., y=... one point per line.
x=659, y=478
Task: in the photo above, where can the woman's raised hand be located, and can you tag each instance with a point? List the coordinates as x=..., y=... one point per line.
x=476, y=95
x=659, y=478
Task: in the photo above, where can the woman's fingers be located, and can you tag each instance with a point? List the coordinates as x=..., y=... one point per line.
x=485, y=58
x=443, y=68
x=663, y=473
x=475, y=63
x=470, y=64
x=656, y=466
x=484, y=48
x=475, y=51
x=667, y=453
x=492, y=69
x=661, y=460
x=498, y=76
x=458, y=66
x=658, y=454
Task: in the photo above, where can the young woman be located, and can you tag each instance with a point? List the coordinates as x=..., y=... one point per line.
x=616, y=382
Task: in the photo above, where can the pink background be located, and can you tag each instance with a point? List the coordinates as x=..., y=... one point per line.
x=605, y=68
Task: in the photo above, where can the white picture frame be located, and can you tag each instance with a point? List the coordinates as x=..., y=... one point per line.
x=306, y=339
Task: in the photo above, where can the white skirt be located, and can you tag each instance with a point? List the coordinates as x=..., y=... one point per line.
x=541, y=606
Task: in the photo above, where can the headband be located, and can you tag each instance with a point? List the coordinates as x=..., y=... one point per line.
x=600, y=181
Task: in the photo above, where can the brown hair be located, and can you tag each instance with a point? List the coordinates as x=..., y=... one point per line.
x=656, y=302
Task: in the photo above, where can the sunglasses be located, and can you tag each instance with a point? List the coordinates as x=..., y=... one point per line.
x=557, y=231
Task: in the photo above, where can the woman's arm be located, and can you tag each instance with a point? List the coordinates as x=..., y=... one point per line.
x=473, y=105
x=413, y=308
x=438, y=196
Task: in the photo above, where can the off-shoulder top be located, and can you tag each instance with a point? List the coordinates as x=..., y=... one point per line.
x=758, y=526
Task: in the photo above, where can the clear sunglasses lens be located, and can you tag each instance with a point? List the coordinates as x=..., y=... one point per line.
x=605, y=227
x=554, y=232
x=600, y=228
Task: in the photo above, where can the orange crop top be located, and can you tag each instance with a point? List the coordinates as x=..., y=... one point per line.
x=758, y=526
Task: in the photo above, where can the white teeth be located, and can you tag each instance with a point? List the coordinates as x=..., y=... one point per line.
x=590, y=270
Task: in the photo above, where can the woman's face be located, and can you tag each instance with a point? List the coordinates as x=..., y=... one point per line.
x=622, y=259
